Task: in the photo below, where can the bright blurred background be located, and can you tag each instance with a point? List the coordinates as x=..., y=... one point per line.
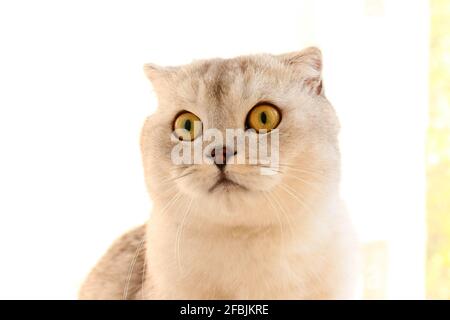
x=438, y=155
x=73, y=98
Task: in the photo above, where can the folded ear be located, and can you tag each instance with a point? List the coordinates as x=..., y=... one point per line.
x=308, y=62
x=159, y=76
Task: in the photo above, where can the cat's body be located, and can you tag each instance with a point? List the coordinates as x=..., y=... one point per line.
x=280, y=236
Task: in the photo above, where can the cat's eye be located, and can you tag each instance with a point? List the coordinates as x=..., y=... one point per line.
x=263, y=117
x=187, y=126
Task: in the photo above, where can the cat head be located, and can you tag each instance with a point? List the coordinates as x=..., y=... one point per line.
x=277, y=97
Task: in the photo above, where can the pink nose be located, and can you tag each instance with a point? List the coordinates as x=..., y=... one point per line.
x=220, y=155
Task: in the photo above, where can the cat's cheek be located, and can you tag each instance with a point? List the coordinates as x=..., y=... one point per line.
x=265, y=182
x=199, y=182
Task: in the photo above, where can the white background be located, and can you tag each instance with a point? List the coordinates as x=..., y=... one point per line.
x=73, y=98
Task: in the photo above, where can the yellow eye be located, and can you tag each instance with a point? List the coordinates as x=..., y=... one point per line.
x=187, y=126
x=263, y=117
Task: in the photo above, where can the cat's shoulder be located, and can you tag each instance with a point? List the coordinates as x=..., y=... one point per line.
x=119, y=273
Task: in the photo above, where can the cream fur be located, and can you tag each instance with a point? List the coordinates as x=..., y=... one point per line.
x=285, y=236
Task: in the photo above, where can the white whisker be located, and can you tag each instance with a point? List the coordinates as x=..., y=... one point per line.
x=265, y=194
x=180, y=233
x=130, y=270
x=284, y=213
x=296, y=196
x=144, y=272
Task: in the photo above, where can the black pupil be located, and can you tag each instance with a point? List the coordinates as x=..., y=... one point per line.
x=188, y=125
x=263, y=117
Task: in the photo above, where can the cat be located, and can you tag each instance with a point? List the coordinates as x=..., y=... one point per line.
x=222, y=230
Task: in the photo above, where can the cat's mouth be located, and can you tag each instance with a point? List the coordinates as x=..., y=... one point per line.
x=226, y=184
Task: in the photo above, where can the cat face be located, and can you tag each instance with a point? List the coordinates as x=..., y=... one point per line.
x=283, y=93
